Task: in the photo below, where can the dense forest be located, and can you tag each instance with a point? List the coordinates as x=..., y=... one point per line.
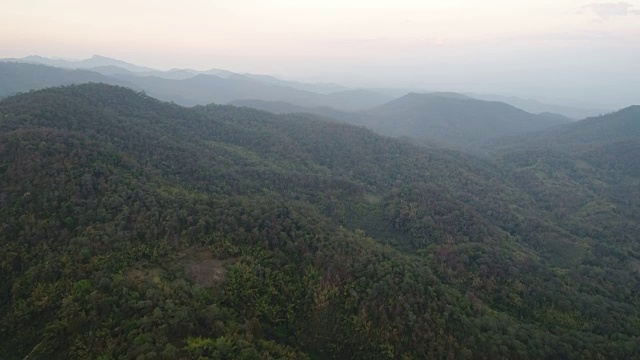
x=135, y=228
x=454, y=119
x=445, y=119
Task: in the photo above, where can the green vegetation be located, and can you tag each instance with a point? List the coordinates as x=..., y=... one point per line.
x=454, y=120
x=134, y=228
x=20, y=77
x=445, y=119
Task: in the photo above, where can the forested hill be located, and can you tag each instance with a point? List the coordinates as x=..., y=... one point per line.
x=586, y=171
x=449, y=119
x=581, y=111
x=21, y=77
x=610, y=143
x=619, y=126
x=135, y=228
x=455, y=119
x=281, y=107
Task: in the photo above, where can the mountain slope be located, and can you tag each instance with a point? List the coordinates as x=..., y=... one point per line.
x=281, y=107
x=320, y=88
x=352, y=100
x=204, y=89
x=141, y=228
x=609, y=142
x=537, y=107
x=454, y=119
x=17, y=77
x=619, y=126
x=587, y=173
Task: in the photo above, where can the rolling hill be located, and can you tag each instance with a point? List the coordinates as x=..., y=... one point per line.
x=537, y=107
x=615, y=127
x=135, y=227
x=281, y=107
x=448, y=119
x=18, y=77
x=454, y=119
x=586, y=173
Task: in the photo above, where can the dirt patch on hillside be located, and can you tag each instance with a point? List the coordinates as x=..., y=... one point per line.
x=143, y=275
x=203, y=268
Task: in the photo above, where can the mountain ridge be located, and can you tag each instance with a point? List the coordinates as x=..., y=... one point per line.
x=93, y=61
x=620, y=125
x=21, y=77
x=98, y=63
x=454, y=120
x=538, y=107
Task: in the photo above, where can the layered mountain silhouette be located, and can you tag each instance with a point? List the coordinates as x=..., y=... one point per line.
x=110, y=67
x=92, y=62
x=282, y=107
x=537, y=107
x=23, y=77
x=205, y=89
x=450, y=119
x=454, y=119
x=185, y=87
x=616, y=127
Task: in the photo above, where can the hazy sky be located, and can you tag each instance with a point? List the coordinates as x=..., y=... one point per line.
x=559, y=48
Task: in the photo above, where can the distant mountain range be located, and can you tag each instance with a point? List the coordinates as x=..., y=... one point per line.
x=204, y=89
x=110, y=67
x=189, y=90
x=537, y=107
x=95, y=61
x=450, y=119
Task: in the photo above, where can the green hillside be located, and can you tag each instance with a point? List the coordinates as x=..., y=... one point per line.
x=21, y=77
x=135, y=228
x=586, y=173
x=454, y=119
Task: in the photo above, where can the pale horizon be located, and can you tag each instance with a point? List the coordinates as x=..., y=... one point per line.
x=549, y=49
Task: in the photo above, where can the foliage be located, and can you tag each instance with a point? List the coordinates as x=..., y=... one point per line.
x=134, y=228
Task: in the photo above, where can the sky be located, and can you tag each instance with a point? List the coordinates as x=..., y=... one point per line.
x=589, y=51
